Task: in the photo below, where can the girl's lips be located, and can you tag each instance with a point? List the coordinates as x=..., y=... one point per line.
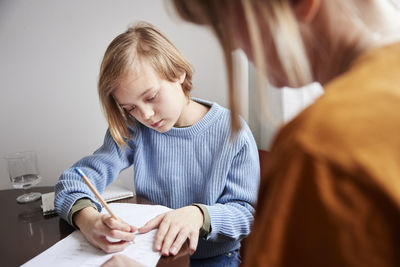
x=155, y=125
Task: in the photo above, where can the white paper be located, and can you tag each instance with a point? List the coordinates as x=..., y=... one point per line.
x=114, y=192
x=75, y=250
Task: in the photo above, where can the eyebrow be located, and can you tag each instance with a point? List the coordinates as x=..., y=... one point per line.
x=142, y=94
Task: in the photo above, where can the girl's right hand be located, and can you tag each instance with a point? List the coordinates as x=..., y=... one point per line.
x=97, y=227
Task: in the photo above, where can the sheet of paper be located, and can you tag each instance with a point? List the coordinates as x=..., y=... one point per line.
x=115, y=192
x=75, y=251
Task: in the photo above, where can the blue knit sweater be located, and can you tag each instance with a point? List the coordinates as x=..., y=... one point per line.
x=196, y=164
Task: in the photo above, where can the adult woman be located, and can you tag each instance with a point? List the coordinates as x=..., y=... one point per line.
x=331, y=194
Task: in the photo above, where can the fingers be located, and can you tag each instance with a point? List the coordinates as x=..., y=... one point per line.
x=111, y=247
x=115, y=224
x=162, y=231
x=104, y=244
x=150, y=225
x=167, y=237
x=117, y=230
x=180, y=239
x=175, y=227
x=97, y=227
x=176, y=246
x=194, y=239
x=104, y=236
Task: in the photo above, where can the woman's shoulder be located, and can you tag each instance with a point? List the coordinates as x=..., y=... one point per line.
x=343, y=125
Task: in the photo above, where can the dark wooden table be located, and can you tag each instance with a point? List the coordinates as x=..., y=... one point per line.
x=25, y=232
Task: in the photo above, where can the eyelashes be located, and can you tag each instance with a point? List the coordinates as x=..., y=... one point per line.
x=153, y=97
x=150, y=99
x=129, y=110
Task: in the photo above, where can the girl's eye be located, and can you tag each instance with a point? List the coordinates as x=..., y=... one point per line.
x=152, y=98
x=129, y=110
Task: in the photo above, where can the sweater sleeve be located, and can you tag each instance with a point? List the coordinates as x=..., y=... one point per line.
x=232, y=215
x=102, y=168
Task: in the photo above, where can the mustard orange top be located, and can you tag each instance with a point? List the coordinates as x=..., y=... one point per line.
x=330, y=195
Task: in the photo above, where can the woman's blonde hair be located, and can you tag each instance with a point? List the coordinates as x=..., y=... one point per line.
x=141, y=41
x=221, y=15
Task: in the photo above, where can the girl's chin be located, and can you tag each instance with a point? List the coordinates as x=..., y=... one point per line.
x=162, y=128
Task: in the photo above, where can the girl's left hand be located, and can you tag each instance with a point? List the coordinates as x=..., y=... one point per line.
x=174, y=227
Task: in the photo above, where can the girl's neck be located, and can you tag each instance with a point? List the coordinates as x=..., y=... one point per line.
x=191, y=114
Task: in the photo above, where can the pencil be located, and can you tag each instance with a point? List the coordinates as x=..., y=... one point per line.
x=94, y=190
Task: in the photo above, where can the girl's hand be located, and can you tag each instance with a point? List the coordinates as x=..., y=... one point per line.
x=98, y=227
x=174, y=227
x=121, y=260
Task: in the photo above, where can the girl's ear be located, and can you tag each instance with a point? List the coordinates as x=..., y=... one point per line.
x=182, y=77
x=306, y=10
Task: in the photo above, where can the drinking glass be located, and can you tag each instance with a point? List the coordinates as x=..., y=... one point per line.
x=24, y=173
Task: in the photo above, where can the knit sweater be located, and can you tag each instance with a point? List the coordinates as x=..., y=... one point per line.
x=196, y=164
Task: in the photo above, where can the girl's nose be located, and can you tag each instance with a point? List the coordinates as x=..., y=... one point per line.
x=147, y=113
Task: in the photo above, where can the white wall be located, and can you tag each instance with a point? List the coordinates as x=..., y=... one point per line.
x=281, y=105
x=50, y=52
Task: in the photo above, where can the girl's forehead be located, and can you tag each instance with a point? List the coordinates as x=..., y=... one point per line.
x=140, y=68
x=139, y=77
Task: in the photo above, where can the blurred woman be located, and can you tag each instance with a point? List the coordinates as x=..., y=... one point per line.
x=331, y=192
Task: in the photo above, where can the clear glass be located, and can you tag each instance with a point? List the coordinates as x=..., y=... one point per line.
x=24, y=173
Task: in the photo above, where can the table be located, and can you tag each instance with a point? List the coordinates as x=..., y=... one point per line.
x=25, y=232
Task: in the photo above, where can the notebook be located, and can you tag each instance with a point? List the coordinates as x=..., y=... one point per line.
x=117, y=191
x=121, y=188
x=48, y=203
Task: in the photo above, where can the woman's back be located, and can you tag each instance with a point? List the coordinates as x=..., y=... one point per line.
x=335, y=199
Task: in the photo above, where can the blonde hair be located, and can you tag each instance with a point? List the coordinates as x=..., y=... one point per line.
x=141, y=41
x=281, y=22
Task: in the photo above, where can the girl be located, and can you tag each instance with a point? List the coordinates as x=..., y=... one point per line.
x=182, y=150
x=331, y=193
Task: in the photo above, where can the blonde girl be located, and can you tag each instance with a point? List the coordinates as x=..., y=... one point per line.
x=182, y=150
